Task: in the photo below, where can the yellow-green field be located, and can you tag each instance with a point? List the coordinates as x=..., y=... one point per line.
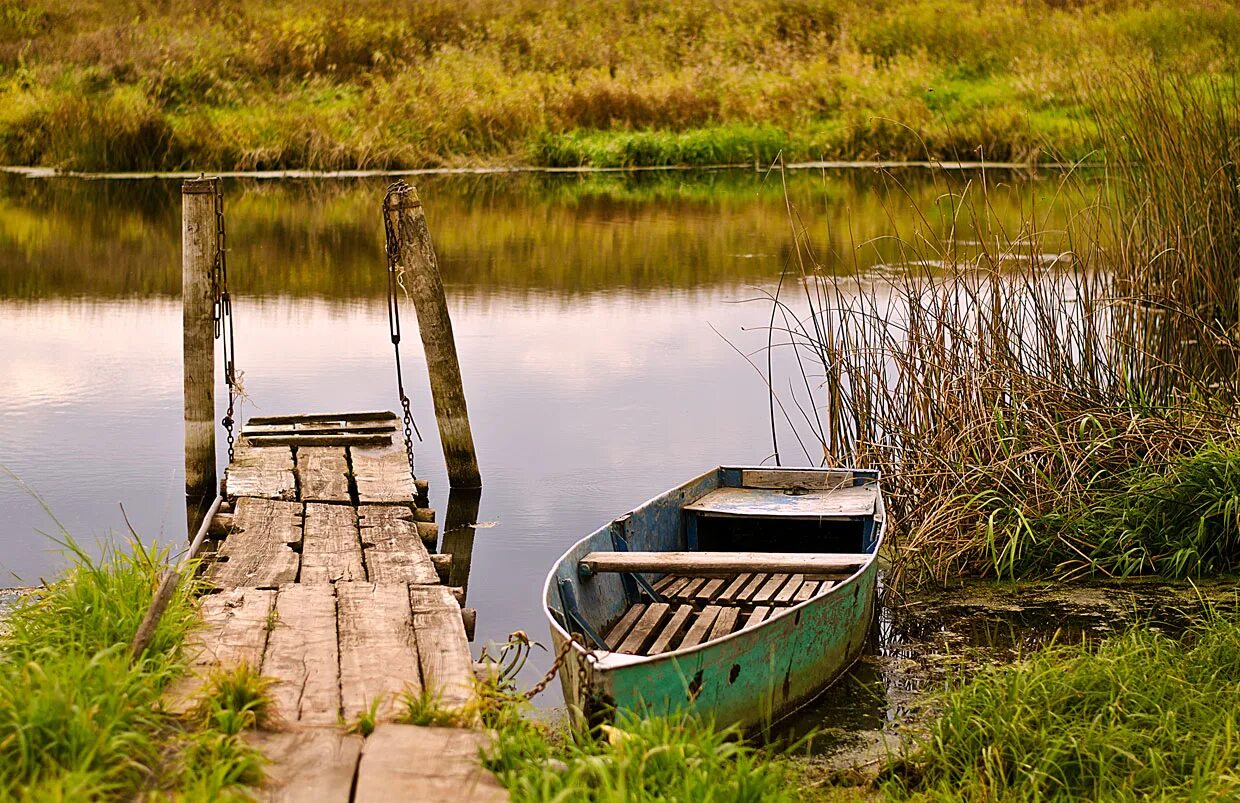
x=405, y=83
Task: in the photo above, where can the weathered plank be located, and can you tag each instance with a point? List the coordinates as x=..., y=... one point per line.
x=663, y=582
x=615, y=636
x=726, y=563
x=302, y=656
x=321, y=428
x=735, y=587
x=725, y=623
x=784, y=594
x=708, y=590
x=671, y=631
x=443, y=651
x=322, y=474
x=676, y=586
x=332, y=547
x=337, y=440
x=811, y=480
x=755, y=582
x=857, y=501
x=757, y=616
x=700, y=627
x=300, y=418
x=257, y=553
x=307, y=764
x=262, y=472
x=382, y=476
x=392, y=549
x=767, y=592
x=807, y=590
x=233, y=632
x=643, y=631
x=690, y=588
x=378, y=650
x=432, y=765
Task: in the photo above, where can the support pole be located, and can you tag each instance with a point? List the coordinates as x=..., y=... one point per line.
x=425, y=288
x=199, y=237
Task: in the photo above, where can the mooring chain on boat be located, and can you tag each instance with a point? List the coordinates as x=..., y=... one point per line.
x=583, y=674
x=222, y=312
x=395, y=275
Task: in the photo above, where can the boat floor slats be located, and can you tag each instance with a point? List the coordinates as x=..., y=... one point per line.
x=725, y=623
x=708, y=590
x=752, y=586
x=807, y=590
x=615, y=637
x=735, y=587
x=689, y=590
x=671, y=631
x=674, y=588
x=770, y=587
x=663, y=582
x=644, y=630
x=700, y=627
x=784, y=595
x=758, y=616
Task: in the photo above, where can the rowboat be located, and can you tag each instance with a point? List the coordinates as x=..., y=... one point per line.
x=738, y=596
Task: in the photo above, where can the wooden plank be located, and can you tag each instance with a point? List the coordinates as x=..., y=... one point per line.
x=302, y=441
x=725, y=623
x=297, y=418
x=378, y=650
x=751, y=587
x=443, y=651
x=784, y=595
x=391, y=547
x=233, y=632
x=332, y=549
x=644, y=630
x=727, y=563
x=700, y=627
x=757, y=616
x=671, y=631
x=663, y=582
x=857, y=501
x=615, y=636
x=767, y=592
x=307, y=764
x=261, y=472
x=323, y=428
x=735, y=587
x=302, y=656
x=708, y=590
x=257, y=554
x=808, y=479
x=322, y=474
x=430, y=765
x=807, y=590
x=690, y=588
x=382, y=476
x=677, y=584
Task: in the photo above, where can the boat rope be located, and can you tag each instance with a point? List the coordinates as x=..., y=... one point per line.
x=395, y=283
x=222, y=313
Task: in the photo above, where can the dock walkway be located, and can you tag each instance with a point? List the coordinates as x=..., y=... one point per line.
x=323, y=579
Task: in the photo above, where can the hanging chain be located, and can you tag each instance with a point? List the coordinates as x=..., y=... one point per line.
x=395, y=286
x=584, y=670
x=222, y=311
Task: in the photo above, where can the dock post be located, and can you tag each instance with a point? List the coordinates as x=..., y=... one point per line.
x=424, y=285
x=458, y=533
x=199, y=239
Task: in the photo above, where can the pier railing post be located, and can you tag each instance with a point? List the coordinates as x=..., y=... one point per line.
x=425, y=288
x=199, y=238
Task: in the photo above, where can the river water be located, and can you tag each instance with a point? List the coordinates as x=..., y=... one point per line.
x=598, y=319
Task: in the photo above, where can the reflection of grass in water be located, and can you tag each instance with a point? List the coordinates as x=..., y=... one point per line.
x=566, y=234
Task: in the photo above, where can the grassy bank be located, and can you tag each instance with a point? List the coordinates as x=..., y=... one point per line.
x=1141, y=716
x=79, y=721
x=132, y=85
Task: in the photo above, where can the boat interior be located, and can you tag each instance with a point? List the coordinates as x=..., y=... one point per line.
x=766, y=542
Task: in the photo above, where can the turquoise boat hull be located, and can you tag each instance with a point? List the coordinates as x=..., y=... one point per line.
x=749, y=678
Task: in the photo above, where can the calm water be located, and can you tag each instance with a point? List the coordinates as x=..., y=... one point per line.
x=593, y=317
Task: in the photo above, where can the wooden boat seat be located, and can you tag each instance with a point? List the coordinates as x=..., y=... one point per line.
x=852, y=502
x=698, y=609
x=722, y=563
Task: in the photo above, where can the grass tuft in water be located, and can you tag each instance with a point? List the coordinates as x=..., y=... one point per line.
x=1139, y=716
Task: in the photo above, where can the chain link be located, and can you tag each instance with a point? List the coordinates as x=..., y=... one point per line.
x=584, y=674
x=222, y=310
x=395, y=285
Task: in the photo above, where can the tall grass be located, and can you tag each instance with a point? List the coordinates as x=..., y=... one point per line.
x=244, y=84
x=1138, y=717
x=78, y=720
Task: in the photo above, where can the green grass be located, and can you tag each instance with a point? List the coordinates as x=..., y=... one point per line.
x=78, y=721
x=132, y=85
x=1139, y=716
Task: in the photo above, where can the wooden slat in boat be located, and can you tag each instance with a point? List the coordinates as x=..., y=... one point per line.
x=807, y=590
x=755, y=582
x=730, y=593
x=708, y=590
x=615, y=637
x=643, y=632
x=791, y=478
x=769, y=588
x=853, y=502
x=758, y=615
x=725, y=623
x=671, y=631
x=701, y=627
x=721, y=563
x=784, y=595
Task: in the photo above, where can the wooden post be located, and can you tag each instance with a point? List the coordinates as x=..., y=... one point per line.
x=458, y=533
x=199, y=235
x=420, y=272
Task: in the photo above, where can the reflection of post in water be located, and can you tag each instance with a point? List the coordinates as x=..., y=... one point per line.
x=458, y=533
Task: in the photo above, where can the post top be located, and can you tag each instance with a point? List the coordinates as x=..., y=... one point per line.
x=202, y=185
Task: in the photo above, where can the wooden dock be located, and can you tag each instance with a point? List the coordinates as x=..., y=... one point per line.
x=324, y=579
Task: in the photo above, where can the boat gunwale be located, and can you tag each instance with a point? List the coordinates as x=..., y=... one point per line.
x=602, y=658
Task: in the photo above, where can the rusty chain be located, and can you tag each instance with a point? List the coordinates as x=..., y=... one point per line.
x=222, y=313
x=394, y=283
x=583, y=674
